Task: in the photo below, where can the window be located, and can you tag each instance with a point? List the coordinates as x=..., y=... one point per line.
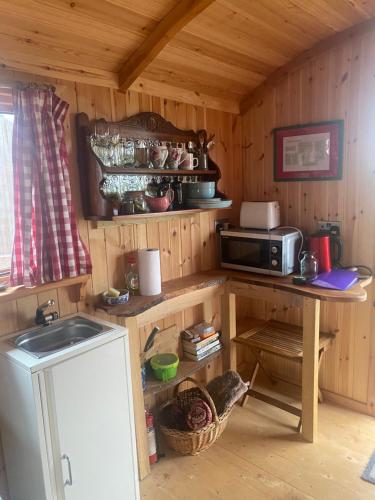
x=6, y=182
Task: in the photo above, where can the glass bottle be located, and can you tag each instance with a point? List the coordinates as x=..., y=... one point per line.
x=309, y=265
x=177, y=189
x=131, y=277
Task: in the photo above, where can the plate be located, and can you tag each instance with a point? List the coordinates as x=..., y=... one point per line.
x=203, y=200
x=217, y=204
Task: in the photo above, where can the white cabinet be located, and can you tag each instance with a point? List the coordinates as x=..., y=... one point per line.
x=73, y=438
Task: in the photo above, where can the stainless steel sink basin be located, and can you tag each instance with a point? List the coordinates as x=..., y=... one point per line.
x=46, y=340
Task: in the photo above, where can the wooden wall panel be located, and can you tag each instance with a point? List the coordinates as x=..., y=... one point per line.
x=338, y=83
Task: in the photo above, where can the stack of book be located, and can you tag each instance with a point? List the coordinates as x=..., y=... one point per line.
x=197, y=349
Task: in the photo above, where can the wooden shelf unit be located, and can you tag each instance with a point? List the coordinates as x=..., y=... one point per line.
x=185, y=369
x=142, y=126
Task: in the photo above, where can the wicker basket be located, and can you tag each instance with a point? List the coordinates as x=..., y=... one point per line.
x=194, y=442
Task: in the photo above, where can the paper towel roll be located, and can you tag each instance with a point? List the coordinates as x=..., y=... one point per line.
x=149, y=271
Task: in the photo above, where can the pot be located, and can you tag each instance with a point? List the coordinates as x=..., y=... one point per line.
x=160, y=203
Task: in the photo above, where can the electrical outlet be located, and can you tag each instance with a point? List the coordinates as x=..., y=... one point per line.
x=328, y=225
x=220, y=225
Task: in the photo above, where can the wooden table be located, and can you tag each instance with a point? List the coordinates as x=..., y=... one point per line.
x=281, y=290
x=201, y=288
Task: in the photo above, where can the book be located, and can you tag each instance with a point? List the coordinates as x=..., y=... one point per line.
x=337, y=279
x=193, y=345
x=195, y=357
x=201, y=350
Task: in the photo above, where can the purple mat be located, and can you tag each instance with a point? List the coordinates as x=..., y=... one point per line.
x=337, y=279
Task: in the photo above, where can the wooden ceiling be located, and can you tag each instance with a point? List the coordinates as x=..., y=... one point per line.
x=217, y=56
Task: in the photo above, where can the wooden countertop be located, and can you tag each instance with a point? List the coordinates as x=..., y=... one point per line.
x=170, y=290
x=180, y=286
x=356, y=293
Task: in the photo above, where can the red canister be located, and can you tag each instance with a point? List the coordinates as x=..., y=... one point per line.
x=151, y=438
x=320, y=245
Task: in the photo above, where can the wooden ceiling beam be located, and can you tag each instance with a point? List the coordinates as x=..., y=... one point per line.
x=314, y=51
x=168, y=27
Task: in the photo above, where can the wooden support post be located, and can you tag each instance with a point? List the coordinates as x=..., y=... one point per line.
x=208, y=310
x=311, y=317
x=209, y=370
x=228, y=319
x=139, y=406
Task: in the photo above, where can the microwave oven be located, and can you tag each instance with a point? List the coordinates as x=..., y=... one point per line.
x=272, y=252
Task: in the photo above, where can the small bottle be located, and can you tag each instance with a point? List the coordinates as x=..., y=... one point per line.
x=309, y=265
x=151, y=437
x=177, y=189
x=131, y=277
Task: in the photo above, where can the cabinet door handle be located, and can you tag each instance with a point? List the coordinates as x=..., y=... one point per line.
x=69, y=481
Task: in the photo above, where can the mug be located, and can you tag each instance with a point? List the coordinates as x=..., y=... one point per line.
x=188, y=161
x=175, y=157
x=159, y=155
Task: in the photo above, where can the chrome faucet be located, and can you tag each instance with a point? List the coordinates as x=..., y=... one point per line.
x=45, y=319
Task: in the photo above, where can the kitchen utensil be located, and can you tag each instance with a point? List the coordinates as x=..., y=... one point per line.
x=260, y=214
x=142, y=154
x=320, y=245
x=150, y=339
x=188, y=161
x=160, y=203
x=207, y=201
x=309, y=265
x=165, y=365
x=158, y=156
x=175, y=157
x=201, y=189
x=176, y=185
x=114, y=301
x=203, y=161
x=201, y=204
x=335, y=244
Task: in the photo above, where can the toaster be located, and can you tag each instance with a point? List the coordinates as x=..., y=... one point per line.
x=260, y=214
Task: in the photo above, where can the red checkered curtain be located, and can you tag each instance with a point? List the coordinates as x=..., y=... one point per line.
x=47, y=246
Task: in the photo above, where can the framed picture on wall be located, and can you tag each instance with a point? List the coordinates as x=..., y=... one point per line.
x=309, y=152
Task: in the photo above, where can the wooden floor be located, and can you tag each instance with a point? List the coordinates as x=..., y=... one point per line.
x=260, y=456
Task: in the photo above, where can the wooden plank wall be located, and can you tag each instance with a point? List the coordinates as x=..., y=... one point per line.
x=336, y=84
x=187, y=245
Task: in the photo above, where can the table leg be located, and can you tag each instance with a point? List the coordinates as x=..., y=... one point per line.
x=138, y=401
x=228, y=321
x=310, y=370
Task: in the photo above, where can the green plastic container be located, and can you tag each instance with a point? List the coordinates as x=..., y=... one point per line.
x=164, y=365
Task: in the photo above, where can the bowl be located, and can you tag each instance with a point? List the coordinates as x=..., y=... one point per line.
x=164, y=365
x=201, y=189
x=114, y=301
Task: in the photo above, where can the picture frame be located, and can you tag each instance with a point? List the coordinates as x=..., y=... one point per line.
x=309, y=152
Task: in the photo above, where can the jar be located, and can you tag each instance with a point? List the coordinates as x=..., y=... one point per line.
x=132, y=276
x=309, y=265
